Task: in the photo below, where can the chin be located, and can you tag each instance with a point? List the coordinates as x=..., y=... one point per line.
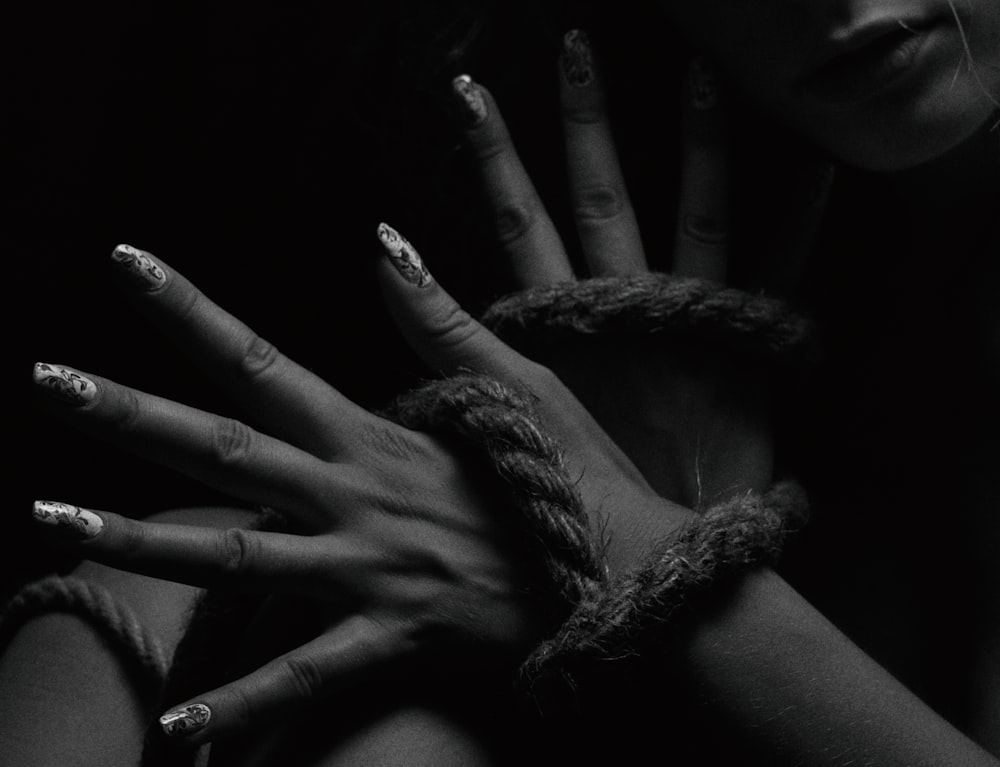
x=915, y=128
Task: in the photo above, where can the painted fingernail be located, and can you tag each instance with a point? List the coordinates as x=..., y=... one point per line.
x=139, y=267
x=404, y=256
x=703, y=85
x=64, y=384
x=186, y=720
x=470, y=99
x=577, y=58
x=69, y=521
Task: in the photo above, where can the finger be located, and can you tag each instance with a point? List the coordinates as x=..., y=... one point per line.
x=286, y=400
x=605, y=220
x=230, y=558
x=222, y=452
x=528, y=238
x=449, y=341
x=446, y=337
x=701, y=244
x=353, y=651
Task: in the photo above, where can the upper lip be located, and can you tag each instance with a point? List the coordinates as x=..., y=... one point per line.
x=839, y=45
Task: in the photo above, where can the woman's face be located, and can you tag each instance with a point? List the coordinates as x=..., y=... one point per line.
x=882, y=84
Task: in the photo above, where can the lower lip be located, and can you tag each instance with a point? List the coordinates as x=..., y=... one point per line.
x=868, y=74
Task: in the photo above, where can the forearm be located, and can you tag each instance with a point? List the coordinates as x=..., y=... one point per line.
x=768, y=662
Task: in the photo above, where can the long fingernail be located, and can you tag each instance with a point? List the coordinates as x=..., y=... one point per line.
x=185, y=720
x=70, y=521
x=139, y=267
x=577, y=58
x=703, y=85
x=470, y=99
x=404, y=256
x=64, y=384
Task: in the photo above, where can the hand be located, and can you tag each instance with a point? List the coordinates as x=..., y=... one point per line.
x=697, y=425
x=397, y=541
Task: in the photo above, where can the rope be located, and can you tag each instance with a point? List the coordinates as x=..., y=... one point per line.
x=501, y=420
x=634, y=612
x=657, y=305
x=99, y=608
x=606, y=620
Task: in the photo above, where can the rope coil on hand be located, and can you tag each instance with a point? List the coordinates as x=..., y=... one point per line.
x=500, y=419
x=606, y=620
x=655, y=305
x=616, y=620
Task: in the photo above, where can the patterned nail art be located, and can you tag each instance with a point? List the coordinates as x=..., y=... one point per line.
x=139, y=267
x=470, y=99
x=64, y=384
x=186, y=720
x=704, y=87
x=404, y=256
x=577, y=58
x=70, y=521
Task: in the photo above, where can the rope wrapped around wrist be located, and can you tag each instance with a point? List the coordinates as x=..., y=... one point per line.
x=621, y=619
x=659, y=305
x=633, y=614
x=603, y=620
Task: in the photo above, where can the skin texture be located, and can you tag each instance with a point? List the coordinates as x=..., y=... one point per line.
x=932, y=108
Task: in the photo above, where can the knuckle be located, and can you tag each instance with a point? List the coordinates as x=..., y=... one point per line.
x=128, y=411
x=304, y=676
x=238, y=549
x=705, y=228
x=514, y=221
x=451, y=326
x=130, y=541
x=189, y=304
x=257, y=358
x=492, y=144
x=233, y=442
x=598, y=202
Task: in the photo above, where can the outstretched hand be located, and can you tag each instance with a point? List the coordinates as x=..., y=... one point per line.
x=400, y=543
x=697, y=425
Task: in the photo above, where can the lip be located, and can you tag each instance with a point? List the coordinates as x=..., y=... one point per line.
x=862, y=61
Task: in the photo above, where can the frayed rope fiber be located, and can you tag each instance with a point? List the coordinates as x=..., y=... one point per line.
x=632, y=614
x=606, y=620
x=113, y=619
x=501, y=420
x=655, y=305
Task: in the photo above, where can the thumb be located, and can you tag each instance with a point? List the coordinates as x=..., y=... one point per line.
x=445, y=336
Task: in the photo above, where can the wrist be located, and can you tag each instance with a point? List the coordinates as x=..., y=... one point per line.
x=631, y=538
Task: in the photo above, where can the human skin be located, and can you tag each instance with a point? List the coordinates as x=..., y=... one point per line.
x=897, y=88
